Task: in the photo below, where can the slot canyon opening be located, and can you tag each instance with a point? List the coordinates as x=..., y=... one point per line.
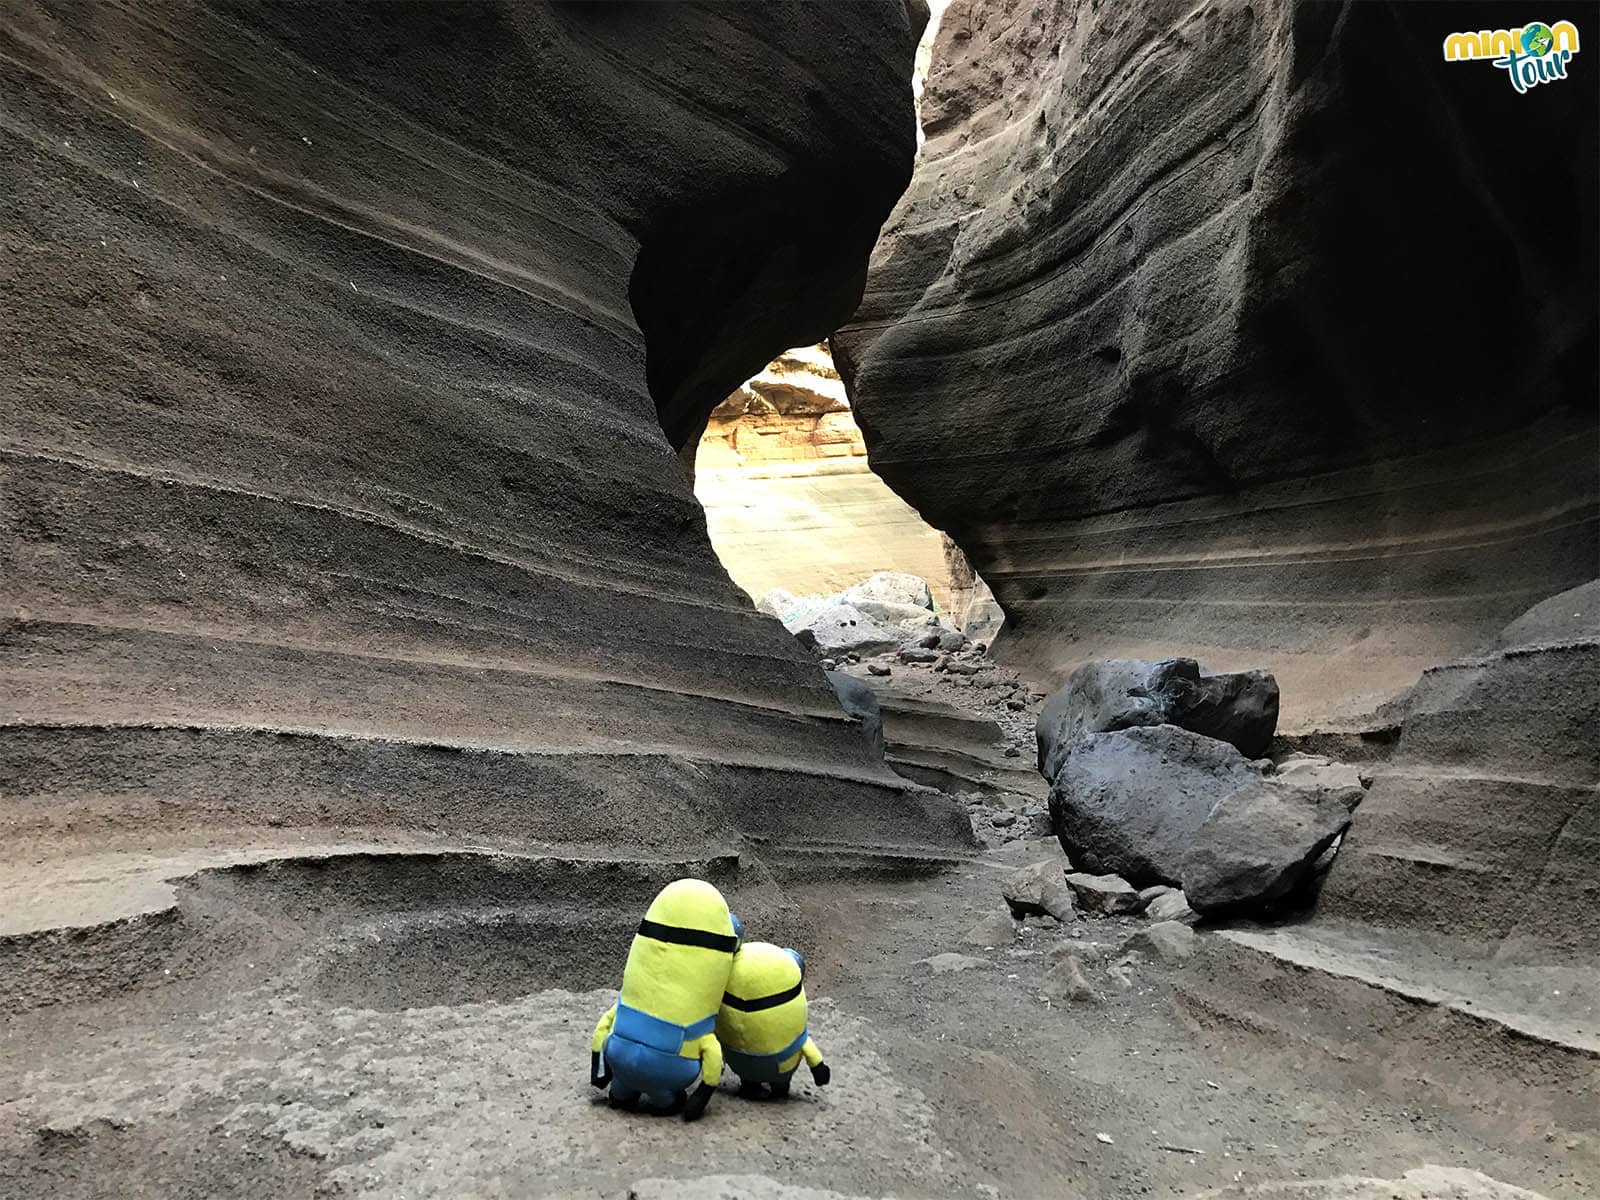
x=794, y=508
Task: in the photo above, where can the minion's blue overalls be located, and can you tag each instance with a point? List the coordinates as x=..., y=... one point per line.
x=762, y=1021
x=659, y=1040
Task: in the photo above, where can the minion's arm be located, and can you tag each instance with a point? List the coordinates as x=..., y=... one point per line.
x=819, y=1069
x=711, y=1060
x=599, y=1073
x=710, y=1076
x=603, y=1030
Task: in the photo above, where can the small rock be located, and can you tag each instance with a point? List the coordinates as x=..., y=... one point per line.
x=1313, y=770
x=879, y=669
x=911, y=655
x=1174, y=906
x=1016, y=704
x=981, y=647
x=929, y=641
x=1171, y=941
x=959, y=668
x=1104, y=1137
x=1013, y=752
x=1156, y=889
x=828, y=664
x=1065, y=982
x=941, y=662
x=1003, y=818
x=950, y=963
x=994, y=930
x=1109, y=894
x=1039, y=891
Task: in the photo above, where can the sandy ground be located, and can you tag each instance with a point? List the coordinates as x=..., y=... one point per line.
x=332, y=1069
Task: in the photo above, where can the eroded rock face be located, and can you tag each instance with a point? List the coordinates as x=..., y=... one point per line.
x=1486, y=823
x=1241, y=358
x=334, y=493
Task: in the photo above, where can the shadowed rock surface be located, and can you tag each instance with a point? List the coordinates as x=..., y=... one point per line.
x=1259, y=842
x=335, y=498
x=1486, y=824
x=1260, y=379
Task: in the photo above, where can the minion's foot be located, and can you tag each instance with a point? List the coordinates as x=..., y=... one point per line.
x=780, y=1090
x=674, y=1106
x=623, y=1099
x=751, y=1090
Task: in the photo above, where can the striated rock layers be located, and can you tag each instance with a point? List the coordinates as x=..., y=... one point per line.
x=1242, y=332
x=790, y=500
x=1486, y=823
x=334, y=497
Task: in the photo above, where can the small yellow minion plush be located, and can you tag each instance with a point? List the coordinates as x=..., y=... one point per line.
x=659, y=1040
x=762, y=1022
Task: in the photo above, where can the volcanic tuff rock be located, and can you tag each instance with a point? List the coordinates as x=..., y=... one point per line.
x=334, y=487
x=1278, y=354
x=1486, y=823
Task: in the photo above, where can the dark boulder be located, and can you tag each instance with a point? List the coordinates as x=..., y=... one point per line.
x=1109, y=694
x=1261, y=841
x=1131, y=801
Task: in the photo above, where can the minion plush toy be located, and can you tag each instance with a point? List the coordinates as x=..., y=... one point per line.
x=762, y=1021
x=658, y=1041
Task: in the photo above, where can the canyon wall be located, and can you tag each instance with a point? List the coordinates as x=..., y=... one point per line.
x=335, y=498
x=1279, y=330
x=790, y=500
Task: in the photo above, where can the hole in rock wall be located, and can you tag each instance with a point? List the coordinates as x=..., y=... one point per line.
x=793, y=504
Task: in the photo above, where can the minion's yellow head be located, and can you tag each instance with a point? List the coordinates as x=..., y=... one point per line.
x=687, y=907
x=679, y=961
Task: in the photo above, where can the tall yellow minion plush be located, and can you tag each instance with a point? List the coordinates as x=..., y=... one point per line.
x=659, y=1039
x=762, y=1021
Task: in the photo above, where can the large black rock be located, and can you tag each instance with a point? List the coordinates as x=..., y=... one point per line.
x=1260, y=841
x=1132, y=801
x=1124, y=693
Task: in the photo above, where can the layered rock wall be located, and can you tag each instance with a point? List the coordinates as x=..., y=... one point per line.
x=1280, y=334
x=1486, y=824
x=334, y=496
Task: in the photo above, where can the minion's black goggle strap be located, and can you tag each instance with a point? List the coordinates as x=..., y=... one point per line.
x=679, y=936
x=761, y=1002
